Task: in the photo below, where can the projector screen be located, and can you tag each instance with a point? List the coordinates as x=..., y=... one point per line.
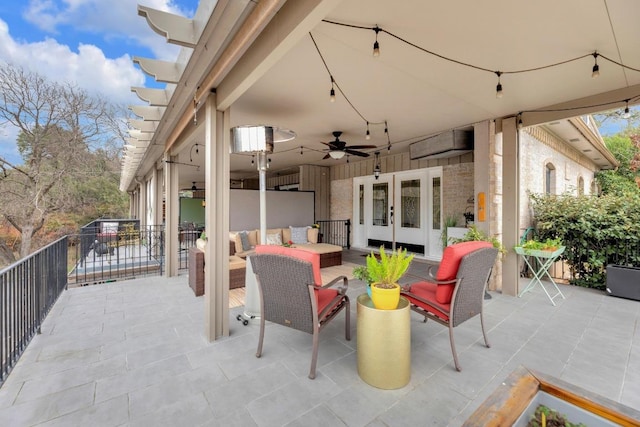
x=284, y=208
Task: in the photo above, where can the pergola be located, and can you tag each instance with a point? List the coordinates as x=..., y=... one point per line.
x=441, y=66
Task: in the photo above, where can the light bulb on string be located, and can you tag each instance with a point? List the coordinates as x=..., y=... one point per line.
x=376, y=45
x=332, y=92
x=499, y=85
x=301, y=147
x=368, y=134
x=595, y=71
x=519, y=120
x=627, y=113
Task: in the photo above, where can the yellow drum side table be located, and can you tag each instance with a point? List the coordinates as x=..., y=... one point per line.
x=384, y=344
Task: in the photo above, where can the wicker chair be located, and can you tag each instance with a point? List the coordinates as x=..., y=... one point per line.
x=456, y=293
x=289, y=296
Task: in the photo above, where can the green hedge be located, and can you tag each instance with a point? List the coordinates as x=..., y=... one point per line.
x=596, y=231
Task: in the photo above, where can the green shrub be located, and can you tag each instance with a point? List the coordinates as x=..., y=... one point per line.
x=596, y=231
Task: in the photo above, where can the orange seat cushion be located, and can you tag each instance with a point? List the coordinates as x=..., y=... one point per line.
x=448, y=268
x=427, y=291
x=324, y=298
x=313, y=258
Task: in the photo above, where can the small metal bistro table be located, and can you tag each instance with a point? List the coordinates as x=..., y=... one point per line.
x=384, y=344
x=544, y=259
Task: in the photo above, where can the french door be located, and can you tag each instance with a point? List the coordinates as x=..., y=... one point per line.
x=401, y=209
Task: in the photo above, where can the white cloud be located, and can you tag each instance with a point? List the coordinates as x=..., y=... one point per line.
x=113, y=19
x=88, y=67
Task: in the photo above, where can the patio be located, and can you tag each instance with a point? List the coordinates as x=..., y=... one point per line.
x=133, y=353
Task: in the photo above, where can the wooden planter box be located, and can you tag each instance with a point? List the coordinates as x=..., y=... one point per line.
x=513, y=400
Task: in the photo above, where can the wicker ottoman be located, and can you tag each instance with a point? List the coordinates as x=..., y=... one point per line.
x=237, y=270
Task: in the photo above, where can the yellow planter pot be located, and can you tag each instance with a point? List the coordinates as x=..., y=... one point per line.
x=385, y=299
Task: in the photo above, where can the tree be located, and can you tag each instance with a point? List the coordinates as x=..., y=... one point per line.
x=59, y=127
x=625, y=179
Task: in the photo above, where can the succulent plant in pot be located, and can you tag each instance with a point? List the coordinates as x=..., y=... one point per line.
x=384, y=272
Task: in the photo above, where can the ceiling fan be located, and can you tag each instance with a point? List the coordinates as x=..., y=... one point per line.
x=337, y=148
x=194, y=187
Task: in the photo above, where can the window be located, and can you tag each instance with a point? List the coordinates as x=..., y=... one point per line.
x=380, y=204
x=550, y=179
x=410, y=203
x=580, y=186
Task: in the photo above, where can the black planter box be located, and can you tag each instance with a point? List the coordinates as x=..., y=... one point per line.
x=623, y=281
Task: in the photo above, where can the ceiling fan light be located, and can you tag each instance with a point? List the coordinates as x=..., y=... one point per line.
x=336, y=154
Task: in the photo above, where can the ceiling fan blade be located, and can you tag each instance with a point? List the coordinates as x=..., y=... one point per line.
x=326, y=156
x=356, y=153
x=328, y=144
x=359, y=147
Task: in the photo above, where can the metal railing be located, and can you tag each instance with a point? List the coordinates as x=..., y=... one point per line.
x=100, y=255
x=336, y=232
x=28, y=290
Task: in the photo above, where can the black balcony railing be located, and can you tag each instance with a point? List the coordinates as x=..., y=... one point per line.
x=120, y=250
x=336, y=232
x=28, y=290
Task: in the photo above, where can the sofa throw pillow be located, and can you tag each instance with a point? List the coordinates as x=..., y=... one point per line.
x=299, y=235
x=274, y=239
x=244, y=238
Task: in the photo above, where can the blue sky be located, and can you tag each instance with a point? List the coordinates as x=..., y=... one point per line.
x=89, y=43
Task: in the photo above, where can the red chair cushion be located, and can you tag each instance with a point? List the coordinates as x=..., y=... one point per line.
x=427, y=291
x=448, y=268
x=324, y=298
x=312, y=257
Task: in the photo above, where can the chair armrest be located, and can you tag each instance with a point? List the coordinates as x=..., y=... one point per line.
x=425, y=302
x=342, y=289
x=431, y=279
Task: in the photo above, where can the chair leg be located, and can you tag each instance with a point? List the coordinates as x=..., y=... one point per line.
x=314, y=356
x=261, y=339
x=453, y=349
x=347, y=321
x=486, y=340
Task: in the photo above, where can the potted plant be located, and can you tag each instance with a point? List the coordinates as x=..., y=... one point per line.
x=474, y=234
x=384, y=274
x=539, y=247
x=361, y=273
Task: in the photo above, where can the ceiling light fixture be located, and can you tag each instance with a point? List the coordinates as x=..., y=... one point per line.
x=376, y=45
x=499, y=86
x=595, y=71
x=336, y=154
x=377, y=169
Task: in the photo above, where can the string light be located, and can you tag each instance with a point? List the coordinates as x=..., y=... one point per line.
x=627, y=113
x=332, y=93
x=301, y=147
x=386, y=132
x=335, y=85
x=595, y=71
x=499, y=85
x=376, y=45
x=252, y=160
x=519, y=120
x=195, y=109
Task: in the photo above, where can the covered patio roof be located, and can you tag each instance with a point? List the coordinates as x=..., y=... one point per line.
x=272, y=62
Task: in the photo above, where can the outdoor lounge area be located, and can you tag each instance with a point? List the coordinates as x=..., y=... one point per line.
x=134, y=353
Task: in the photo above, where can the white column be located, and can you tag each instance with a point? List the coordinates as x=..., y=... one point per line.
x=172, y=244
x=216, y=259
x=142, y=207
x=510, y=204
x=158, y=180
